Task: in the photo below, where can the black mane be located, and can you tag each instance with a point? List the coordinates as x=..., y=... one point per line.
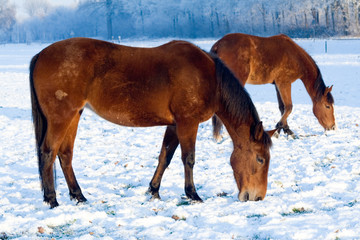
x=320, y=87
x=236, y=99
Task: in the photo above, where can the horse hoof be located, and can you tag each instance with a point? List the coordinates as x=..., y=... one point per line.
x=79, y=203
x=197, y=201
x=154, y=198
x=154, y=194
x=53, y=204
x=276, y=134
x=78, y=197
x=290, y=134
x=51, y=201
x=81, y=199
x=195, y=198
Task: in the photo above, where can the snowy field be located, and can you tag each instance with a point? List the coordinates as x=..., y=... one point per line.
x=313, y=184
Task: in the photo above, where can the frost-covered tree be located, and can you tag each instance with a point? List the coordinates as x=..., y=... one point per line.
x=7, y=20
x=37, y=8
x=109, y=11
x=115, y=19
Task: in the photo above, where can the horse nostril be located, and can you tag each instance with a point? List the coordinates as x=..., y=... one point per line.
x=258, y=199
x=246, y=197
x=330, y=128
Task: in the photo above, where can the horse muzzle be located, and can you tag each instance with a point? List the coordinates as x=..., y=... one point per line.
x=331, y=128
x=246, y=196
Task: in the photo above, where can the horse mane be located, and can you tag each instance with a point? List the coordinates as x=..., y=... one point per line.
x=236, y=99
x=319, y=85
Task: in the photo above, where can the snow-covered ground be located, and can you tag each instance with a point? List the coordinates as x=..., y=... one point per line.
x=313, y=183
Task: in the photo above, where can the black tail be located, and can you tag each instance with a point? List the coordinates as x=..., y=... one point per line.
x=217, y=126
x=39, y=120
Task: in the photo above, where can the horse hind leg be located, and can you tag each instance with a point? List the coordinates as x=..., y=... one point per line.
x=49, y=148
x=283, y=94
x=56, y=135
x=65, y=155
x=168, y=148
x=281, y=108
x=281, y=104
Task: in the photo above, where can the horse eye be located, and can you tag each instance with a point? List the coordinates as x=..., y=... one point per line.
x=327, y=106
x=260, y=160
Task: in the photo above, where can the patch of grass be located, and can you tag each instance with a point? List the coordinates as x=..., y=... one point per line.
x=256, y=216
x=177, y=218
x=3, y=236
x=299, y=210
x=183, y=203
x=296, y=211
x=128, y=186
x=257, y=236
x=222, y=194
x=63, y=230
x=279, y=183
x=352, y=203
x=112, y=212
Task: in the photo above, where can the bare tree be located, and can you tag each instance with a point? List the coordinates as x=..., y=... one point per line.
x=7, y=18
x=37, y=8
x=109, y=15
x=108, y=6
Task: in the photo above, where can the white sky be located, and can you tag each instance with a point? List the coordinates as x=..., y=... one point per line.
x=21, y=11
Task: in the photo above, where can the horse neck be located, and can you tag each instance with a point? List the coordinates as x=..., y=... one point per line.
x=311, y=77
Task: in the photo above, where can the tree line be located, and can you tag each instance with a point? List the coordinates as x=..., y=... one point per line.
x=116, y=19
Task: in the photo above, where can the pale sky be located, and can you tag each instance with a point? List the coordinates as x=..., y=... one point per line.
x=21, y=13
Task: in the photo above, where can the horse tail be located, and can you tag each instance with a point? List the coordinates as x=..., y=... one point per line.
x=39, y=120
x=217, y=125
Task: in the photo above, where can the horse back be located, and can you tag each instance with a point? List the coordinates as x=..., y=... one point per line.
x=259, y=60
x=125, y=85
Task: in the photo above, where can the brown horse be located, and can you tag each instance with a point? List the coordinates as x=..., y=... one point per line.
x=176, y=84
x=278, y=60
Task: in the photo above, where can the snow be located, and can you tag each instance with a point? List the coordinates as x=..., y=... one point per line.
x=313, y=183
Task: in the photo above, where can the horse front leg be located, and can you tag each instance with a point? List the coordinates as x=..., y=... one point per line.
x=187, y=137
x=168, y=148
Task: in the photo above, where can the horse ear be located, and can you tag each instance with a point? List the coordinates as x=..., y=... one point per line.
x=271, y=132
x=328, y=89
x=259, y=131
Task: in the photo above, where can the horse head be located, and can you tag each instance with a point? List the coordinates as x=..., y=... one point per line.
x=324, y=110
x=250, y=162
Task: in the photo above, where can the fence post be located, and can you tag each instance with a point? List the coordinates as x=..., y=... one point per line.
x=325, y=46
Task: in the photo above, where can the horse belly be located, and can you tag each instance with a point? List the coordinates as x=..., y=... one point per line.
x=255, y=79
x=133, y=114
x=261, y=75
